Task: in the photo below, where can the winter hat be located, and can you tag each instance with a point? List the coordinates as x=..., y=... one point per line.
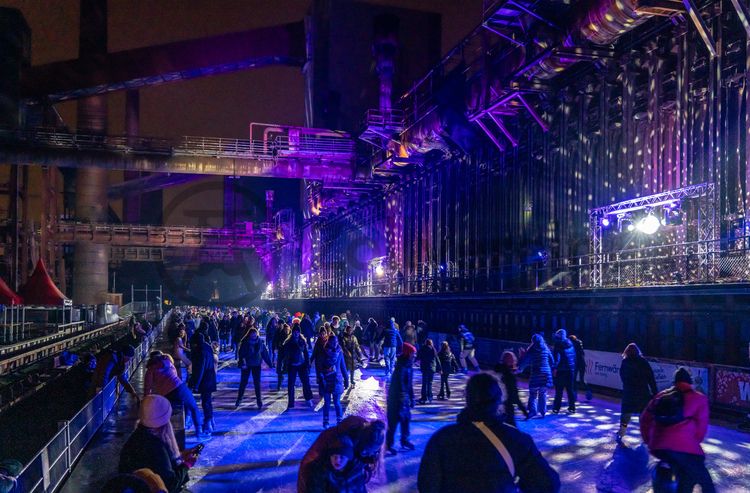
x=537, y=338
x=343, y=447
x=408, y=350
x=561, y=334
x=483, y=390
x=155, y=411
x=683, y=375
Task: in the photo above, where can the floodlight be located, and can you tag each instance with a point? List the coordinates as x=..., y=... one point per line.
x=648, y=225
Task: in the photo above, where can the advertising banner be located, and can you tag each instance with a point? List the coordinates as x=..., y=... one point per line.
x=732, y=387
x=664, y=373
x=603, y=368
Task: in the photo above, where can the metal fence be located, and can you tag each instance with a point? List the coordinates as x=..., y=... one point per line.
x=699, y=262
x=52, y=464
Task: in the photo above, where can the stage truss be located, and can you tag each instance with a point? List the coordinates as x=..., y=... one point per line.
x=695, y=261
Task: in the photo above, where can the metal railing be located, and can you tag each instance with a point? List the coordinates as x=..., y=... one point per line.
x=330, y=148
x=51, y=465
x=162, y=236
x=699, y=262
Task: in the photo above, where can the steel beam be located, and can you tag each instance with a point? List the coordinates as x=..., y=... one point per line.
x=60, y=81
x=701, y=26
x=743, y=14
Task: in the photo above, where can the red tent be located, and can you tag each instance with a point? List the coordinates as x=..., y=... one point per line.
x=40, y=290
x=7, y=296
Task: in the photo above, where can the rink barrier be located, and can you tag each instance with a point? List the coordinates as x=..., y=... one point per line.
x=727, y=387
x=49, y=468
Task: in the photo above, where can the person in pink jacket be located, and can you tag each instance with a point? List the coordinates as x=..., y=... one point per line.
x=679, y=444
x=162, y=379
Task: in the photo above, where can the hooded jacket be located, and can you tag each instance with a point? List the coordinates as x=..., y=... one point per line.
x=539, y=358
x=564, y=353
x=638, y=384
x=685, y=436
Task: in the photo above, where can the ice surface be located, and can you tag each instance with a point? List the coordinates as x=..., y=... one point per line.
x=259, y=451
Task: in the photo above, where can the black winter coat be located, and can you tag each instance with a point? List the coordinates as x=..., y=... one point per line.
x=203, y=378
x=564, y=355
x=144, y=450
x=638, y=384
x=307, y=328
x=580, y=354
x=252, y=353
x=478, y=467
x=295, y=352
x=448, y=363
x=428, y=359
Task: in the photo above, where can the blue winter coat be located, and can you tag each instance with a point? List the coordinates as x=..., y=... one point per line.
x=401, y=389
x=203, y=377
x=252, y=353
x=539, y=359
x=564, y=355
x=331, y=370
x=391, y=338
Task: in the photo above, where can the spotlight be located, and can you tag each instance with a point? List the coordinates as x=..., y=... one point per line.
x=379, y=271
x=605, y=222
x=649, y=224
x=631, y=228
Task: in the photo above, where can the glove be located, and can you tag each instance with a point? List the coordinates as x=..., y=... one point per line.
x=189, y=461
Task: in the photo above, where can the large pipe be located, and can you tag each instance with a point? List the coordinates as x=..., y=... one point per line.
x=91, y=262
x=603, y=22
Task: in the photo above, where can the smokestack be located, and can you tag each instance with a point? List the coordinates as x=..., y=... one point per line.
x=384, y=49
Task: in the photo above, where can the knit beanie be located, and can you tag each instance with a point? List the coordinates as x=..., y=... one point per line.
x=683, y=375
x=343, y=447
x=155, y=411
x=561, y=334
x=483, y=391
x=408, y=350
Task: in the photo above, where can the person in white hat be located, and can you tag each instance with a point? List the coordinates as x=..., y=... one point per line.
x=154, y=446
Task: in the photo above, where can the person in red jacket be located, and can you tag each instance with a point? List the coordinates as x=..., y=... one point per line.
x=679, y=444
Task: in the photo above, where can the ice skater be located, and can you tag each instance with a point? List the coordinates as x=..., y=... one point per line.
x=539, y=358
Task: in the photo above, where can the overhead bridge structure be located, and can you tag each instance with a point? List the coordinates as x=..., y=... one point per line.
x=325, y=159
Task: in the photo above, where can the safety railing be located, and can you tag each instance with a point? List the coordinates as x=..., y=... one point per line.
x=163, y=236
x=328, y=147
x=52, y=464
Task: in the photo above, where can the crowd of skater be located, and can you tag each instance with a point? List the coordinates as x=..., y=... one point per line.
x=495, y=455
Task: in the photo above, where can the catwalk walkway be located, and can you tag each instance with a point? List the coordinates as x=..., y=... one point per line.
x=255, y=451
